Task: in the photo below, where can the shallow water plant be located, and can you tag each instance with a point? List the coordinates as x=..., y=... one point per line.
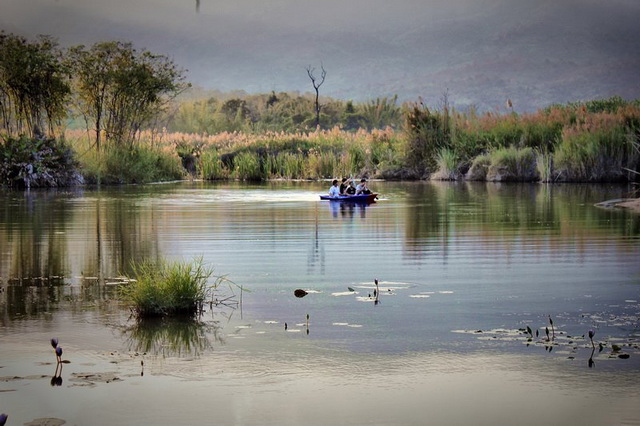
x=166, y=288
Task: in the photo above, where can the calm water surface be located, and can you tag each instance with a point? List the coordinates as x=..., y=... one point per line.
x=463, y=270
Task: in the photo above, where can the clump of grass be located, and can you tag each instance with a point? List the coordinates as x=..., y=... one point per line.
x=356, y=159
x=544, y=165
x=479, y=168
x=169, y=288
x=513, y=164
x=447, y=162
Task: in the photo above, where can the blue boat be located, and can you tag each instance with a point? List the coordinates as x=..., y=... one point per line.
x=362, y=198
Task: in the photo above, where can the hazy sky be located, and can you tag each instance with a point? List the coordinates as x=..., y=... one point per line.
x=482, y=51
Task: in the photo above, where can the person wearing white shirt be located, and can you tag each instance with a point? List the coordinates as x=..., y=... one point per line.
x=334, y=191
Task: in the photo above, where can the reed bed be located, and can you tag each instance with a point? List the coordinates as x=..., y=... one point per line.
x=596, y=141
x=584, y=142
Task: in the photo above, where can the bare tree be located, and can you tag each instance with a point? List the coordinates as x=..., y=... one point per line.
x=316, y=87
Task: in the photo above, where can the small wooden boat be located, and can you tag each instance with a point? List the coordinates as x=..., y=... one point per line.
x=362, y=198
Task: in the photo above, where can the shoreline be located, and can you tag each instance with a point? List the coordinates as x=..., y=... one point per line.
x=631, y=204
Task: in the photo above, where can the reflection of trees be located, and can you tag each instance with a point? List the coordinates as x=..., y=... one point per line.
x=427, y=219
x=438, y=212
x=35, y=241
x=172, y=336
x=39, y=230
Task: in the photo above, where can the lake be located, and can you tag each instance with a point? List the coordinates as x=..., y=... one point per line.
x=486, y=294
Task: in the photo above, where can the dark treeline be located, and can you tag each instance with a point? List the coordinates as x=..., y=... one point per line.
x=281, y=112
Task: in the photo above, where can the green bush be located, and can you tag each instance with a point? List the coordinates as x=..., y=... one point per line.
x=426, y=133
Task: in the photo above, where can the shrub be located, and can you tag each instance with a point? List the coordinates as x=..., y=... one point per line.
x=426, y=132
x=37, y=162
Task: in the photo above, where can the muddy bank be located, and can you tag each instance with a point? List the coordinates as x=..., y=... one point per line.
x=627, y=203
x=633, y=204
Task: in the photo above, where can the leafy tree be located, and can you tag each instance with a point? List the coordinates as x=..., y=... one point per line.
x=33, y=85
x=120, y=89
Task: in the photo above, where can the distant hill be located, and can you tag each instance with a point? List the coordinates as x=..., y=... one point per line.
x=482, y=51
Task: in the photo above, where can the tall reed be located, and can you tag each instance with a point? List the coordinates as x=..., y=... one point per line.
x=211, y=166
x=247, y=166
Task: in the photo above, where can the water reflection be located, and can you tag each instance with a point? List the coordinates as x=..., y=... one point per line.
x=56, y=379
x=172, y=336
x=440, y=213
x=348, y=210
x=33, y=299
x=60, y=250
x=41, y=233
x=46, y=235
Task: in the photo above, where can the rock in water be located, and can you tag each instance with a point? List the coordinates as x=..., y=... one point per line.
x=300, y=293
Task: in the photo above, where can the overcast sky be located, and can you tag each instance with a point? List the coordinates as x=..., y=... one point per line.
x=482, y=51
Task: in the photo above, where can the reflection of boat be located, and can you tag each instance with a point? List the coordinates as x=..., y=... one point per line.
x=362, y=198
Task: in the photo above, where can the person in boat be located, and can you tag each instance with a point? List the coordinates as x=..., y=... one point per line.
x=351, y=188
x=344, y=185
x=362, y=187
x=334, y=191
